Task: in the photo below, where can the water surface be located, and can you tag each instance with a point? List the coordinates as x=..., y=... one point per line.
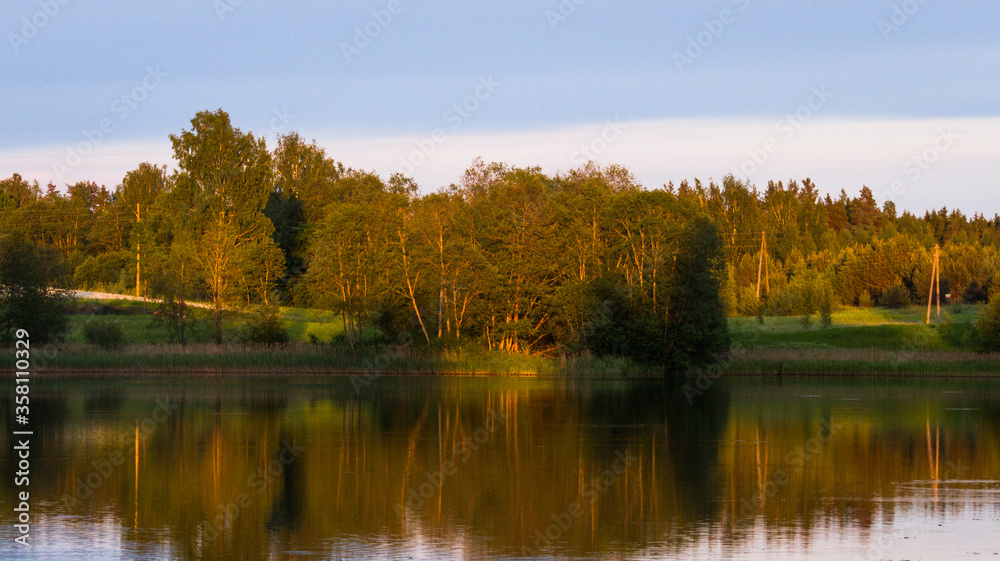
x=476, y=468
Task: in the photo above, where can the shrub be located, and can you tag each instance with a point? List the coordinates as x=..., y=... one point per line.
x=265, y=327
x=958, y=335
x=864, y=299
x=988, y=327
x=895, y=297
x=104, y=333
x=826, y=308
x=975, y=292
x=100, y=271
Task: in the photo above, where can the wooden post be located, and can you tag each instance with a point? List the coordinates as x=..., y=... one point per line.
x=930, y=292
x=760, y=265
x=138, y=252
x=937, y=279
x=767, y=271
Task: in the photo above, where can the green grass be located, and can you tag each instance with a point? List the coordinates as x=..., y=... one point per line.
x=861, y=341
x=854, y=316
x=884, y=337
x=142, y=327
x=875, y=362
x=853, y=328
x=302, y=322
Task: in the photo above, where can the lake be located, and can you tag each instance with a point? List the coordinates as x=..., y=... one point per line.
x=505, y=468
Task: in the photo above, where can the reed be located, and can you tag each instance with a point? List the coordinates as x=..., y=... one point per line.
x=296, y=359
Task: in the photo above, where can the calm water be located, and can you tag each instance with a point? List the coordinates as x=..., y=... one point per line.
x=504, y=469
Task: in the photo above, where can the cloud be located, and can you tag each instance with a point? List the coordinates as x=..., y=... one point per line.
x=835, y=153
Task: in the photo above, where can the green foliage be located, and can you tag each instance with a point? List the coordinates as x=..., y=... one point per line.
x=102, y=271
x=895, y=297
x=583, y=262
x=958, y=334
x=225, y=177
x=864, y=299
x=987, y=335
x=806, y=321
x=174, y=314
x=618, y=328
x=104, y=333
x=27, y=272
x=697, y=332
x=265, y=327
x=826, y=310
x=975, y=292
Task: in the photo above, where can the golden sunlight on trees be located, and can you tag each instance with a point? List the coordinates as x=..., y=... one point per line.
x=509, y=258
x=224, y=179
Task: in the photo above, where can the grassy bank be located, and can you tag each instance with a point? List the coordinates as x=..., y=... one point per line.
x=323, y=359
x=861, y=341
x=876, y=362
x=204, y=359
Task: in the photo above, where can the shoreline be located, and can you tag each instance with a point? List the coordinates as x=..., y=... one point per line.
x=82, y=360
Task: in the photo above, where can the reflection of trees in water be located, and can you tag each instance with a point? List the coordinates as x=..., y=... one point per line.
x=540, y=445
x=47, y=414
x=694, y=431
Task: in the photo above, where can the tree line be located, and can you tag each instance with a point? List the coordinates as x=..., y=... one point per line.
x=511, y=258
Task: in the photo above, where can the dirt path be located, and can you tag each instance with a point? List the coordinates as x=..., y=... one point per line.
x=109, y=296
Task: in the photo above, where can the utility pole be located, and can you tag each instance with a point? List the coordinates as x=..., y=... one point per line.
x=935, y=282
x=138, y=253
x=937, y=279
x=762, y=267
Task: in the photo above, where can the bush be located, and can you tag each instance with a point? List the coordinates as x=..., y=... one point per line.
x=104, y=333
x=987, y=334
x=895, y=297
x=265, y=327
x=864, y=299
x=826, y=308
x=975, y=293
x=101, y=271
x=958, y=335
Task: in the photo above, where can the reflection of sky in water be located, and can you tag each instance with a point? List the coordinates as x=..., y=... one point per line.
x=963, y=525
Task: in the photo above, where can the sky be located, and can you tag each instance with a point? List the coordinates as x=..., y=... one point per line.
x=903, y=96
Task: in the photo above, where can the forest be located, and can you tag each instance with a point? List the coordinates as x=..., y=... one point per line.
x=512, y=259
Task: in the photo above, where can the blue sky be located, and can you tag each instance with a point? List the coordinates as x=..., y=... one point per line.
x=901, y=96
